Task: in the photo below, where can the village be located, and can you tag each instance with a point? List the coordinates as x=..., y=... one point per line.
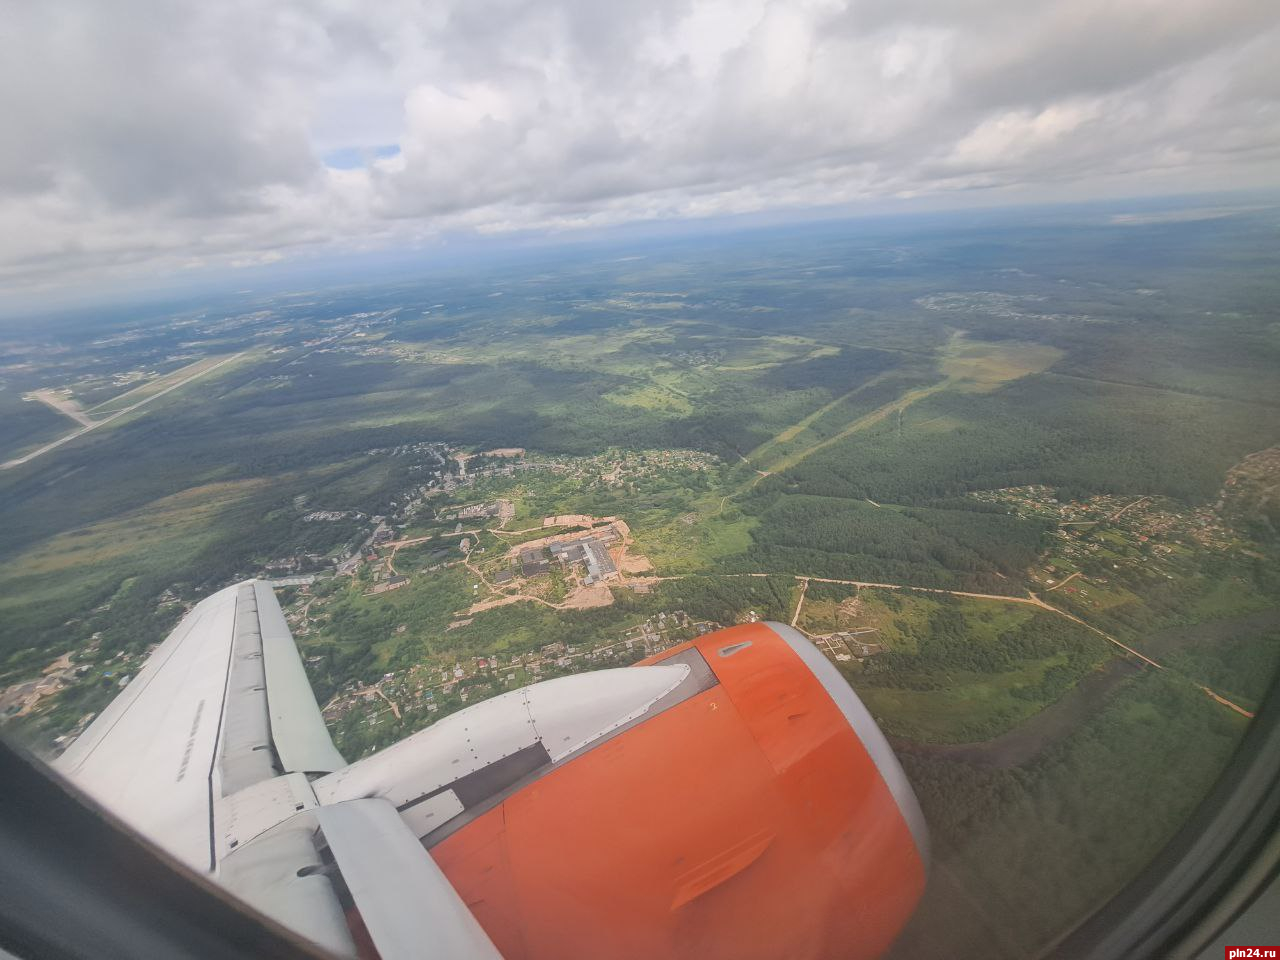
x=569, y=564
x=571, y=567
x=579, y=562
x=472, y=679
x=561, y=561
x=1109, y=538
x=22, y=699
x=444, y=471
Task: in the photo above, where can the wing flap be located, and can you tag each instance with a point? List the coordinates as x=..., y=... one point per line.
x=244, y=748
x=404, y=899
x=281, y=874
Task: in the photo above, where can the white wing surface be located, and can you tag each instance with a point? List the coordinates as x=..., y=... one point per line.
x=149, y=757
x=207, y=751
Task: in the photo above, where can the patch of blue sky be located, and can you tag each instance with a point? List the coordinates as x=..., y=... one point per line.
x=356, y=158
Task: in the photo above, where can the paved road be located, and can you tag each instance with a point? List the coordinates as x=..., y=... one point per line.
x=119, y=413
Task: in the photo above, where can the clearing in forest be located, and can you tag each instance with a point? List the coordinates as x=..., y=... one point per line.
x=980, y=366
x=974, y=366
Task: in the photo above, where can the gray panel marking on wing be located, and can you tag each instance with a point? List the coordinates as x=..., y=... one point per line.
x=298, y=733
x=244, y=749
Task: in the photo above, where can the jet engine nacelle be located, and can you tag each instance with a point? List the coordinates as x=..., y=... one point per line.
x=730, y=797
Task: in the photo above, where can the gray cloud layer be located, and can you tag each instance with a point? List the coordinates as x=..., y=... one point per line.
x=144, y=136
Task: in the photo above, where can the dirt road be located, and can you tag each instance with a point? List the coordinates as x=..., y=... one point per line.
x=390, y=703
x=1030, y=600
x=804, y=588
x=1125, y=509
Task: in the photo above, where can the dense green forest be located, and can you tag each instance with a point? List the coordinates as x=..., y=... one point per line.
x=1020, y=854
x=1083, y=437
x=947, y=644
x=855, y=540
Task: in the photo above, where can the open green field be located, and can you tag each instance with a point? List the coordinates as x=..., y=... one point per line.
x=968, y=706
x=982, y=366
x=952, y=670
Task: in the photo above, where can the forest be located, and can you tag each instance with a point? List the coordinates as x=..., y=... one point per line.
x=1082, y=437
x=1023, y=853
x=946, y=643
x=856, y=540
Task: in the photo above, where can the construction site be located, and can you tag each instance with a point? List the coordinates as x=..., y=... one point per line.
x=571, y=570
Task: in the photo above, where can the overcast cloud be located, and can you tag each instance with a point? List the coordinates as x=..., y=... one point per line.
x=143, y=137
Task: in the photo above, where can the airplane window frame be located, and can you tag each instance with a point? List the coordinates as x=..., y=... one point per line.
x=77, y=883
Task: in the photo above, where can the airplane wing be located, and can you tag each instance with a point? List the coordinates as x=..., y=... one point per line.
x=728, y=797
x=193, y=721
x=209, y=752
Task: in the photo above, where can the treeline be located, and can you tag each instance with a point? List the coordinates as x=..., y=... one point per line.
x=1243, y=665
x=265, y=524
x=124, y=613
x=726, y=599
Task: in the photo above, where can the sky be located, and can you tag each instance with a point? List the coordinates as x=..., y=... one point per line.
x=149, y=139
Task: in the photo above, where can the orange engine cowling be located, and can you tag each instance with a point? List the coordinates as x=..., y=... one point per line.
x=762, y=816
